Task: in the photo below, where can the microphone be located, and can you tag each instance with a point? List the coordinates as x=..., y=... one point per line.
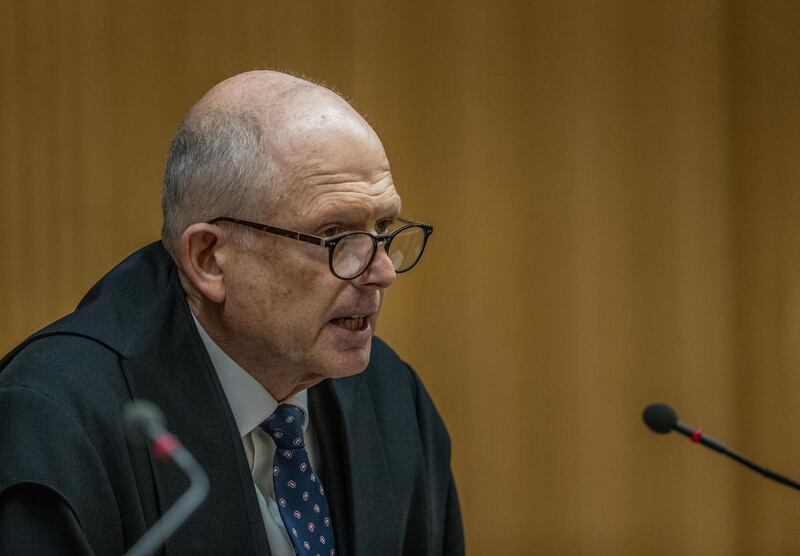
x=662, y=419
x=145, y=422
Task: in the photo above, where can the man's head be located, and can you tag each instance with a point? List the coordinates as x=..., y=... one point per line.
x=270, y=148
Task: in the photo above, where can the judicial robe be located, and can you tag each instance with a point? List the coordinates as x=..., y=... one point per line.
x=71, y=482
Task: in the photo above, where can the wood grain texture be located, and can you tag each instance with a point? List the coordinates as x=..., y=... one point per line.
x=614, y=188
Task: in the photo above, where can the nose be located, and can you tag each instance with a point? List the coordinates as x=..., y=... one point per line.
x=380, y=273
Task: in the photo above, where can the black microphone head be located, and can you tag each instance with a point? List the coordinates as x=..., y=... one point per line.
x=660, y=417
x=139, y=415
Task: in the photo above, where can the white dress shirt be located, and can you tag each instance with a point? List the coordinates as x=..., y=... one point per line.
x=251, y=403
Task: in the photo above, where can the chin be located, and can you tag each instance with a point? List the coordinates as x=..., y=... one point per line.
x=348, y=363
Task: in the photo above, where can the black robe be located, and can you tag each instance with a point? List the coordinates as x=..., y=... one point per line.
x=70, y=482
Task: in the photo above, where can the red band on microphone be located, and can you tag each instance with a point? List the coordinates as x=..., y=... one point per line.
x=165, y=445
x=697, y=435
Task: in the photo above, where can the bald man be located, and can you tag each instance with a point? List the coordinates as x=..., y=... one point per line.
x=282, y=231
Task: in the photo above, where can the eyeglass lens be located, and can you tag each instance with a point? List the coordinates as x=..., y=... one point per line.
x=406, y=248
x=354, y=252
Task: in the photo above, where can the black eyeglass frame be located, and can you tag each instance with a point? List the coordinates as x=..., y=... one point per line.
x=331, y=242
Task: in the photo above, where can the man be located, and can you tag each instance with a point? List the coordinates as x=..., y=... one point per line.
x=282, y=231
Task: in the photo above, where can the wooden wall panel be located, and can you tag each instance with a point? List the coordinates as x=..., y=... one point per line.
x=614, y=191
x=765, y=172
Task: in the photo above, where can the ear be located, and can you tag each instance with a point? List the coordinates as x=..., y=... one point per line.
x=201, y=255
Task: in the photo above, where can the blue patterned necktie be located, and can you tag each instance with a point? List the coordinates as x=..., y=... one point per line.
x=298, y=490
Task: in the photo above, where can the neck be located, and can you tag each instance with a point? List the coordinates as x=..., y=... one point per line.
x=279, y=381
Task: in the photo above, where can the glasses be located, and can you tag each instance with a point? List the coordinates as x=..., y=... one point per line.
x=351, y=253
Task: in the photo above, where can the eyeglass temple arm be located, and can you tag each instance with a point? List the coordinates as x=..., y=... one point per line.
x=273, y=230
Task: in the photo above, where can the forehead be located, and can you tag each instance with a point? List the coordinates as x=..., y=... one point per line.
x=356, y=202
x=352, y=202
x=336, y=171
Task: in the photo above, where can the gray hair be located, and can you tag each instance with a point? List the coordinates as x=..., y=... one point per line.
x=216, y=166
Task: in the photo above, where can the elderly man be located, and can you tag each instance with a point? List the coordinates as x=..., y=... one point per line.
x=282, y=231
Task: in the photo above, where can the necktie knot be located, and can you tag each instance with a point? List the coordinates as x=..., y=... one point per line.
x=285, y=426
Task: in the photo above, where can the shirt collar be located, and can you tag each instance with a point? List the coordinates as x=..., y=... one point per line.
x=250, y=402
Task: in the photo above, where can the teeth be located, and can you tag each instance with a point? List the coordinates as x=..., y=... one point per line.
x=352, y=323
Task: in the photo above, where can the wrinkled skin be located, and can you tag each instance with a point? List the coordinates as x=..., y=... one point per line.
x=272, y=305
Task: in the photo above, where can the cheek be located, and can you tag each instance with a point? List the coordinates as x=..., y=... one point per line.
x=290, y=290
x=304, y=274
x=287, y=293
x=250, y=291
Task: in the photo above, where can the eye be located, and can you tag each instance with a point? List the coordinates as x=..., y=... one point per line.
x=331, y=231
x=383, y=226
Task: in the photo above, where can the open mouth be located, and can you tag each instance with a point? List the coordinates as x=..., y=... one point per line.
x=354, y=323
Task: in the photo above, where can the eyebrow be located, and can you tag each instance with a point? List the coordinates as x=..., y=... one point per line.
x=351, y=213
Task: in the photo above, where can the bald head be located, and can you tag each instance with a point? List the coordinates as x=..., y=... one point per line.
x=273, y=95
x=241, y=143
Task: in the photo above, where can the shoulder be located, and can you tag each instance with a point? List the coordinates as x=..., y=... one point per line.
x=60, y=394
x=62, y=364
x=388, y=371
x=63, y=391
x=387, y=374
x=396, y=388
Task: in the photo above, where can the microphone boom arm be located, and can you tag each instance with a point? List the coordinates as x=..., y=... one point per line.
x=697, y=436
x=662, y=419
